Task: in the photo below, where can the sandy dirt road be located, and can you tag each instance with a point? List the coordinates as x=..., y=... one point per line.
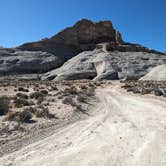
x=122, y=130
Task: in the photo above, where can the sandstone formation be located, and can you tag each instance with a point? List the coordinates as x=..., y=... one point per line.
x=156, y=74
x=83, y=36
x=86, y=50
x=103, y=63
x=24, y=62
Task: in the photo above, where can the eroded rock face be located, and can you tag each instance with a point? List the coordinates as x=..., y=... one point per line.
x=83, y=36
x=102, y=64
x=23, y=62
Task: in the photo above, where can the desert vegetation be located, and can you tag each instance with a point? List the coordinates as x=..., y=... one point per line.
x=30, y=106
x=157, y=88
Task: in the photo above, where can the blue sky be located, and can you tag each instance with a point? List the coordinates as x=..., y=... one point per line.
x=139, y=21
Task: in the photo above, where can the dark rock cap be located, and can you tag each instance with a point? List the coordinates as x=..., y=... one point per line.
x=84, y=35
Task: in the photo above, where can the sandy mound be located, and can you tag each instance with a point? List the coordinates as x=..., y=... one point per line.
x=157, y=73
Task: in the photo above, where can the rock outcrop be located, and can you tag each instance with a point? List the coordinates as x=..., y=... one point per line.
x=29, y=57
x=14, y=61
x=83, y=36
x=102, y=55
x=156, y=74
x=105, y=64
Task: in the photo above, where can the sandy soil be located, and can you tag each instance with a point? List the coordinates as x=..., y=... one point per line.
x=66, y=102
x=121, y=130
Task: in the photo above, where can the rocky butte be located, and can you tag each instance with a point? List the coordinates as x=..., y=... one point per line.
x=90, y=50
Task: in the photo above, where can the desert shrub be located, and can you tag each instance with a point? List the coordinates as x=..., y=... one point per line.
x=36, y=95
x=42, y=112
x=54, y=88
x=44, y=92
x=81, y=98
x=71, y=90
x=91, y=84
x=39, y=96
x=21, y=95
x=78, y=108
x=23, y=89
x=25, y=116
x=83, y=87
x=31, y=109
x=40, y=100
x=4, y=105
x=67, y=100
x=20, y=102
x=158, y=92
x=31, y=102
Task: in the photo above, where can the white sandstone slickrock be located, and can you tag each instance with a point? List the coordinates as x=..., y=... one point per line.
x=26, y=62
x=108, y=65
x=156, y=74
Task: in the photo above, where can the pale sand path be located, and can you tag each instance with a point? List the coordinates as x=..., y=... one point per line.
x=123, y=130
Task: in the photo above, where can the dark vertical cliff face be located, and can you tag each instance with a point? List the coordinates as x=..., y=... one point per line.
x=83, y=36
